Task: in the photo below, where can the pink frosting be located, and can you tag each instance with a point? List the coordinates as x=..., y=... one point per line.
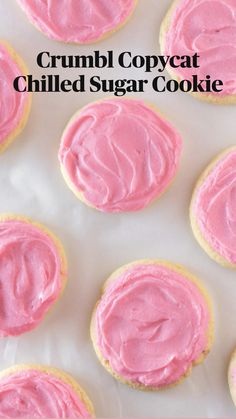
x=232, y=373
x=151, y=324
x=207, y=27
x=30, y=276
x=35, y=394
x=12, y=103
x=79, y=21
x=214, y=207
x=120, y=154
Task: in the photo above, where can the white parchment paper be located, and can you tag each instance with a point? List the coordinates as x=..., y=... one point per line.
x=96, y=243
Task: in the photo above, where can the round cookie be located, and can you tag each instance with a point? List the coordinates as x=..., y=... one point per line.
x=37, y=391
x=15, y=107
x=33, y=273
x=78, y=21
x=119, y=155
x=212, y=209
x=232, y=376
x=206, y=27
x=152, y=323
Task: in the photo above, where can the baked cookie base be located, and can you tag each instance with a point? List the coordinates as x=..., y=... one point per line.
x=210, y=334
x=232, y=377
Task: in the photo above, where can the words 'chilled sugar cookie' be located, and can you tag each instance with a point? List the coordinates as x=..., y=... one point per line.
x=119, y=154
x=15, y=107
x=208, y=28
x=78, y=21
x=32, y=274
x=213, y=209
x=152, y=323
x=36, y=391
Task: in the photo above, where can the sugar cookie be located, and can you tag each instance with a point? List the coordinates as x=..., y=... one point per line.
x=32, y=273
x=15, y=107
x=37, y=391
x=212, y=210
x=206, y=27
x=152, y=323
x=78, y=21
x=119, y=155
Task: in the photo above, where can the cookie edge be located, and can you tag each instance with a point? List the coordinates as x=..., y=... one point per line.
x=61, y=253
x=231, y=383
x=210, y=333
x=58, y=373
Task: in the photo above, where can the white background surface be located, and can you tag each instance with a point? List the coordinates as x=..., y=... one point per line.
x=97, y=243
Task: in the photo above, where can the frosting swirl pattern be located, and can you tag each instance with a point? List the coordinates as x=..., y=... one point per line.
x=36, y=394
x=31, y=276
x=207, y=27
x=79, y=21
x=214, y=206
x=119, y=154
x=13, y=104
x=152, y=324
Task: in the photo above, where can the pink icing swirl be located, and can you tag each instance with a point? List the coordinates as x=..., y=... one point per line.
x=80, y=21
x=207, y=27
x=214, y=207
x=30, y=276
x=12, y=104
x=35, y=394
x=119, y=154
x=151, y=324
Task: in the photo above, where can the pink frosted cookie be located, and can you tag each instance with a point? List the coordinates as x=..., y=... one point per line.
x=35, y=391
x=152, y=324
x=208, y=28
x=213, y=215
x=32, y=274
x=119, y=155
x=78, y=21
x=14, y=106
